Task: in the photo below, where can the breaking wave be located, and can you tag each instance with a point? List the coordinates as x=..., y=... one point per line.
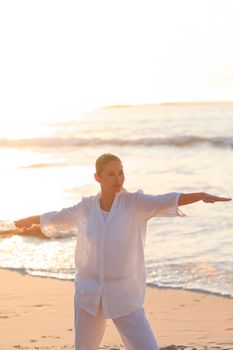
x=177, y=141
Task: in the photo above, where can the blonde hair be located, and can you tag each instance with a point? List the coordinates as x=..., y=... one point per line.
x=102, y=160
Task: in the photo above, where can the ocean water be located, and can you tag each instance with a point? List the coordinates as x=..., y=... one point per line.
x=164, y=148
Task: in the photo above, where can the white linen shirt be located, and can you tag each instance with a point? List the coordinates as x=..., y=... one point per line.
x=109, y=255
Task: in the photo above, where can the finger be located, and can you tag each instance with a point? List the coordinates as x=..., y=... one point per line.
x=222, y=199
x=19, y=224
x=16, y=223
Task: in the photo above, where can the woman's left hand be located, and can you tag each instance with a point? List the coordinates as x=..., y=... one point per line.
x=208, y=198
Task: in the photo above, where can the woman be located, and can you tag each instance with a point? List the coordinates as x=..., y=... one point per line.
x=110, y=278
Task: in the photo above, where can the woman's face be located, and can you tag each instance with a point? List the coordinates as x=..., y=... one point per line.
x=111, y=177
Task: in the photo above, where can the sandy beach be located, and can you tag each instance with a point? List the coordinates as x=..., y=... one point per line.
x=37, y=313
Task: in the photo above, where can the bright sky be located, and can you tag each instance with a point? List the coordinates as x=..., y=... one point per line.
x=61, y=57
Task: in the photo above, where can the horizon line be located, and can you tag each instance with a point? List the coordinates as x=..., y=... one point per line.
x=168, y=103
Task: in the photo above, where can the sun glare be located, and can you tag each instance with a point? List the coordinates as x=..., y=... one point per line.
x=162, y=51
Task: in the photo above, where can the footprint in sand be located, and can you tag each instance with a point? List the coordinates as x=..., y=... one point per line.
x=50, y=336
x=106, y=347
x=110, y=348
x=175, y=347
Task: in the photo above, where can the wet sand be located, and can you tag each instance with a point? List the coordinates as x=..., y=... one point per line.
x=37, y=313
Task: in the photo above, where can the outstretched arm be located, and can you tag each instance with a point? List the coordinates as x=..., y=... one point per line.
x=188, y=198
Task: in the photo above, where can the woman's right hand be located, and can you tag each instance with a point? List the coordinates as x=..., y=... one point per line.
x=27, y=222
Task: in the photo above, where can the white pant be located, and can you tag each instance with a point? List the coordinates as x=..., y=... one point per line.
x=134, y=329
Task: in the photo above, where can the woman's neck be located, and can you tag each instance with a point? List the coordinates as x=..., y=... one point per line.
x=106, y=200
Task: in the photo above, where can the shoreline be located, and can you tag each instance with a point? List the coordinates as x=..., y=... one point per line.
x=199, y=291
x=37, y=313
x=150, y=285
